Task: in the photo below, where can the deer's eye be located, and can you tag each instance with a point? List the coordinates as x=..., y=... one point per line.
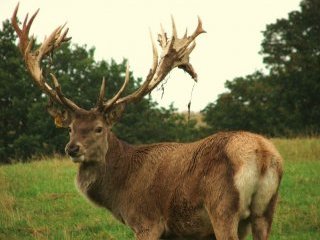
x=69, y=129
x=98, y=130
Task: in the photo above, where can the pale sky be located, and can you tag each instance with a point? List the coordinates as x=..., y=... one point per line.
x=120, y=29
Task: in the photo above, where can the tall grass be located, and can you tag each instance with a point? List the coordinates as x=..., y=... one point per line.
x=299, y=149
x=38, y=200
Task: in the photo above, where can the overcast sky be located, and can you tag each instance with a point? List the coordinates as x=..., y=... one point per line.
x=120, y=29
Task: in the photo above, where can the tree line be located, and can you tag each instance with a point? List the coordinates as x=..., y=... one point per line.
x=285, y=101
x=282, y=102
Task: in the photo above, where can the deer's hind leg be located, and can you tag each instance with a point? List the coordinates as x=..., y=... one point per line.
x=263, y=205
x=224, y=226
x=244, y=228
x=261, y=223
x=224, y=215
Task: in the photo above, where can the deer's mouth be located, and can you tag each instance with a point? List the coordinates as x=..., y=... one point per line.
x=77, y=159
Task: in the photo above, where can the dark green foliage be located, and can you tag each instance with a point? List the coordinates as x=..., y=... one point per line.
x=286, y=101
x=155, y=125
x=26, y=128
x=16, y=94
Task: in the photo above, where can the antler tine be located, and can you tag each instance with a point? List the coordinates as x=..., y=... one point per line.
x=33, y=58
x=31, y=21
x=154, y=51
x=162, y=37
x=25, y=20
x=52, y=42
x=14, y=20
x=65, y=101
x=186, y=33
x=101, y=94
x=153, y=69
x=24, y=32
x=198, y=30
x=113, y=100
x=29, y=46
x=174, y=29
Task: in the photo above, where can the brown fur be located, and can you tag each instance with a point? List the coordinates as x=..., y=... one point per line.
x=178, y=190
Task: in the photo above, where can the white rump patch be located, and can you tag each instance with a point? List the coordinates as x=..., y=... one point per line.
x=254, y=189
x=246, y=181
x=267, y=187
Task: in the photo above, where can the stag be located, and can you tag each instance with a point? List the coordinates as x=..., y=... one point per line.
x=219, y=187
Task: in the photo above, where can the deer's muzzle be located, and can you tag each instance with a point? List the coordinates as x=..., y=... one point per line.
x=73, y=150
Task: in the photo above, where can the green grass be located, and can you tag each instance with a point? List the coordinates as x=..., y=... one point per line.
x=38, y=200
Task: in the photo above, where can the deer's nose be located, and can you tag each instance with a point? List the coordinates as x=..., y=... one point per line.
x=72, y=150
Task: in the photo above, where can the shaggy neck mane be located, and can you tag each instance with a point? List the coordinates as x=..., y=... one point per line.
x=101, y=182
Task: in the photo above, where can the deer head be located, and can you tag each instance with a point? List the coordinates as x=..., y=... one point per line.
x=89, y=128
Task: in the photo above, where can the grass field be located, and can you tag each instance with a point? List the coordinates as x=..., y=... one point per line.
x=38, y=200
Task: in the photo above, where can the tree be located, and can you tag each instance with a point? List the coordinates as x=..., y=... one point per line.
x=291, y=50
x=245, y=107
x=15, y=92
x=286, y=100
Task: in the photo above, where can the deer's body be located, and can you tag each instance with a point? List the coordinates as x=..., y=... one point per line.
x=170, y=189
x=215, y=188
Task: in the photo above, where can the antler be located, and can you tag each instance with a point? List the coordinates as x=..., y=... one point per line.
x=33, y=58
x=175, y=53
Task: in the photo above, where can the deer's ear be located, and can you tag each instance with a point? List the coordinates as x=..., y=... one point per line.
x=113, y=115
x=62, y=118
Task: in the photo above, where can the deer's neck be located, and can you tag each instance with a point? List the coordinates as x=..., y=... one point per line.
x=103, y=182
